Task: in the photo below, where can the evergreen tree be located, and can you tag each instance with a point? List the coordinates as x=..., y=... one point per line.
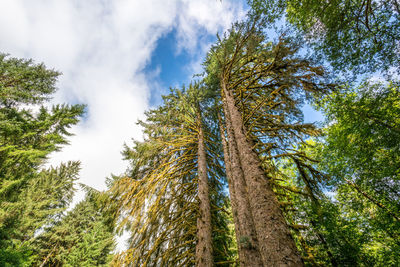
x=84, y=237
x=26, y=139
x=262, y=87
x=163, y=201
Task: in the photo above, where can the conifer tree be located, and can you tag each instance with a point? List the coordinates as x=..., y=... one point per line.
x=26, y=139
x=84, y=237
x=164, y=203
x=262, y=86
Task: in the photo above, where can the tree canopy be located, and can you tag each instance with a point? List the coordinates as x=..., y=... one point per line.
x=33, y=198
x=228, y=172
x=358, y=36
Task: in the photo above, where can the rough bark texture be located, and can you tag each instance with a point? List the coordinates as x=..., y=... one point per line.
x=229, y=179
x=249, y=254
x=204, y=252
x=276, y=245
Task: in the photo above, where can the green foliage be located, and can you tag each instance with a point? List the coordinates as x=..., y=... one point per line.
x=365, y=131
x=158, y=201
x=322, y=235
x=359, y=36
x=42, y=203
x=353, y=34
x=23, y=82
x=361, y=153
x=30, y=196
x=270, y=82
x=84, y=237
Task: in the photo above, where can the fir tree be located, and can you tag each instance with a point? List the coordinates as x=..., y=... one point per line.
x=26, y=139
x=84, y=237
x=262, y=87
x=161, y=199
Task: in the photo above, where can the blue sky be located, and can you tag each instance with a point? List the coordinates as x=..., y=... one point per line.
x=117, y=57
x=175, y=66
x=170, y=65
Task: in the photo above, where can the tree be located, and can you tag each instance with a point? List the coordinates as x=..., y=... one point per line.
x=359, y=35
x=204, y=254
x=84, y=237
x=243, y=221
x=361, y=154
x=323, y=235
x=262, y=86
x=43, y=203
x=26, y=139
x=171, y=199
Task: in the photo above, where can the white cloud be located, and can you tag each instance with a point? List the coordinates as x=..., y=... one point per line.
x=102, y=47
x=196, y=19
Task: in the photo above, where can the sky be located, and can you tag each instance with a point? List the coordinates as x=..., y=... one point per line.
x=117, y=57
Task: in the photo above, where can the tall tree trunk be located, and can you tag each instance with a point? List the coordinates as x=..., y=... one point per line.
x=249, y=254
x=276, y=245
x=229, y=178
x=204, y=252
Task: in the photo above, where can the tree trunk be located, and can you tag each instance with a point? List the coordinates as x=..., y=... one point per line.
x=229, y=179
x=249, y=254
x=276, y=245
x=204, y=252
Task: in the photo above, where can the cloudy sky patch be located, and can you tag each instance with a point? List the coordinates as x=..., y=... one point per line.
x=107, y=51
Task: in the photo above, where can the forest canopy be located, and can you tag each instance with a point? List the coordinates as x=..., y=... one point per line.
x=229, y=172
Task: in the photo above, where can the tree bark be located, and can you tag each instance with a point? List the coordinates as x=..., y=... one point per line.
x=204, y=251
x=244, y=226
x=276, y=245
